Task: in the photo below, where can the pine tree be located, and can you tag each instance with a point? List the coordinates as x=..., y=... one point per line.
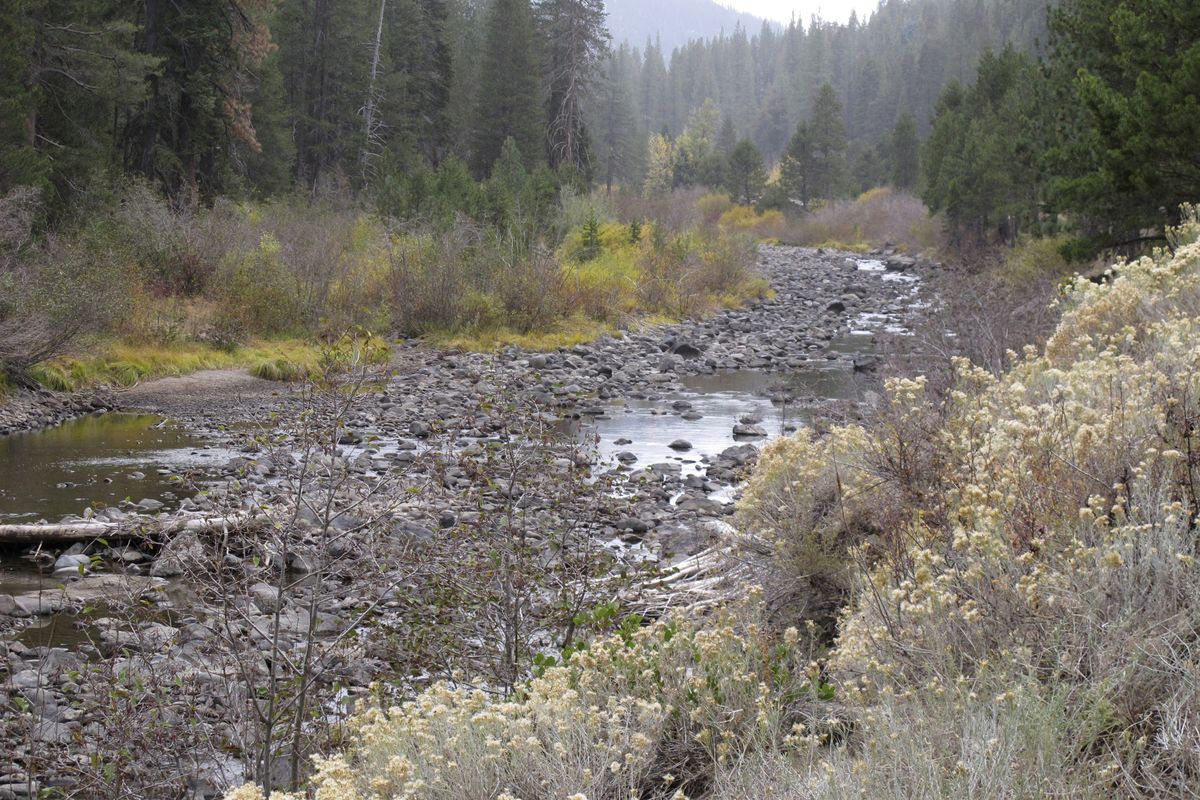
x=616, y=121
x=1134, y=69
x=509, y=170
x=655, y=102
x=905, y=151
x=416, y=88
x=71, y=71
x=198, y=101
x=507, y=98
x=727, y=139
x=575, y=39
x=981, y=159
x=21, y=163
x=795, y=169
x=827, y=176
x=747, y=173
x=772, y=131
x=326, y=76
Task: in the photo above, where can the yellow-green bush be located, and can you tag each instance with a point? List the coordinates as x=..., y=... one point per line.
x=712, y=207
x=744, y=219
x=258, y=293
x=1034, y=259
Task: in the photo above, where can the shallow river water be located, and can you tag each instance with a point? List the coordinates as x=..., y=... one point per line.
x=647, y=428
x=96, y=461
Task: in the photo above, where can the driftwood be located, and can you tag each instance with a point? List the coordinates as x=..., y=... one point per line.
x=88, y=531
x=712, y=577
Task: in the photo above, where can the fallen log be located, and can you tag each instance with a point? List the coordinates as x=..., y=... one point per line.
x=133, y=528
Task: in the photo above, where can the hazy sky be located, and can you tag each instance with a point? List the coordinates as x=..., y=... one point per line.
x=832, y=10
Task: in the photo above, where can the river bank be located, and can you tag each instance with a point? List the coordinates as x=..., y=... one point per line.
x=428, y=431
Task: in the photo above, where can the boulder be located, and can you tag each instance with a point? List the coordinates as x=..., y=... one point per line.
x=177, y=556
x=687, y=350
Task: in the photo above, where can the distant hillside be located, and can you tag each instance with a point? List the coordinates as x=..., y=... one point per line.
x=674, y=21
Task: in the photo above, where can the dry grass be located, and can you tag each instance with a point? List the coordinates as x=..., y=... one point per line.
x=877, y=218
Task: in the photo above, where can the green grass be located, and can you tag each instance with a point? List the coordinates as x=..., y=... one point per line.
x=124, y=364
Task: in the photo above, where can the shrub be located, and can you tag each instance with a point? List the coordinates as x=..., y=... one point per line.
x=259, y=294
x=1036, y=259
x=876, y=218
x=54, y=290
x=655, y=711
x=712, y=207
x=427, y=277
x=1028, y=580
x=745, y=219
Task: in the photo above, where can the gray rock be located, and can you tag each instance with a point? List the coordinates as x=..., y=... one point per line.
x=265, y=596
x=27, y=679
x=632, y=524
x=680, y=445
x=687, y=350
x=742, y=429
x=177, y=556
x=77, y=564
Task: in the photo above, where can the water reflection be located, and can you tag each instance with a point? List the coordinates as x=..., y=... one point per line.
x=705, y=412
x=96, y=460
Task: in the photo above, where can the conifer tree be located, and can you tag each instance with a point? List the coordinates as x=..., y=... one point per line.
x=747, y=173
x=827, y=175
x=575, y=39
x=198, y=100
x=507, y=97
x=616, y=121
x=980, y=160
x=509, y=170
x=905, y=150
x=795, y=169
x=1133, y=70
x=69, y=72
x=727, y=138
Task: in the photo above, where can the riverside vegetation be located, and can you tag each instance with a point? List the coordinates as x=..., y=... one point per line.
x=1017, y=559
x=407, y=572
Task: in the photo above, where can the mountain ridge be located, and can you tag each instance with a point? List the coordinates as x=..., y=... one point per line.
x=674, y=22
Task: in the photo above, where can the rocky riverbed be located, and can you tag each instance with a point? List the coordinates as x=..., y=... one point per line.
x=431, y=433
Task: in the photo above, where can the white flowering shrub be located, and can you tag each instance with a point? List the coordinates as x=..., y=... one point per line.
x=654, y=712
x=1026, y=619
